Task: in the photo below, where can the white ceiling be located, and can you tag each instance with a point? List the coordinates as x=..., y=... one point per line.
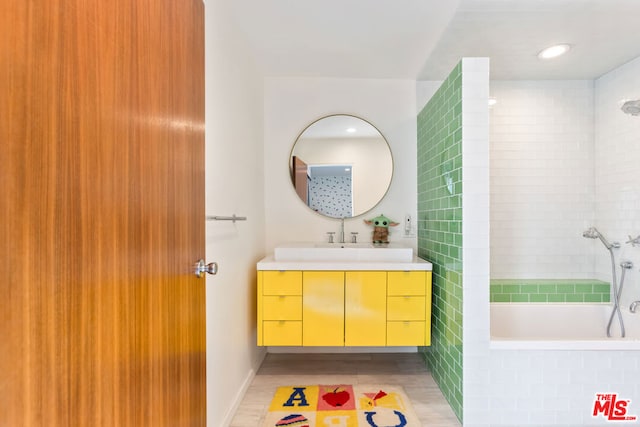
x=423, y=39
x=342, y=38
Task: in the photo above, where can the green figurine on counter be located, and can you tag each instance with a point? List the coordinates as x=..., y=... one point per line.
x=381, y=226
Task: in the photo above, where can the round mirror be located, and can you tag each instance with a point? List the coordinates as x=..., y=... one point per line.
x=341, y=166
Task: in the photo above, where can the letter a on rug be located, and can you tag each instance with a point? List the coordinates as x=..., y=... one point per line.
x=341, y=405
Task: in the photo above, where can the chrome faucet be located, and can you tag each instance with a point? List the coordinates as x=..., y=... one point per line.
x=634, y=305
x=341, y=235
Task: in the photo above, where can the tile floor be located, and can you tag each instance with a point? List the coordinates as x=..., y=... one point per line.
x=405, y=369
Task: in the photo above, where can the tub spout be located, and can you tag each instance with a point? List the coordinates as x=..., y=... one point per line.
x=634, y=306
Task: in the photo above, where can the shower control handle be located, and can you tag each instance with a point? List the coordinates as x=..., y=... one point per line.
x=634, y=241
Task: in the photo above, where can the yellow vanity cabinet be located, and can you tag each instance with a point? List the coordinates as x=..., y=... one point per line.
x=408, y=308
x=365, y=308
x=323, y=308
x=280, y=308
x=344, y=308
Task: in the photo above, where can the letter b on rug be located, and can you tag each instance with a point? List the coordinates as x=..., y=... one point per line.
x=336, y=421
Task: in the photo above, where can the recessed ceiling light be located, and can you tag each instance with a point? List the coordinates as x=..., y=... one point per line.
x=631, y=107
x=554, y=51
x=351, y=130
x=492, y=101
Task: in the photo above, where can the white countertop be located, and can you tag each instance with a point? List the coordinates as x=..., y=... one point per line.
x=417, y=264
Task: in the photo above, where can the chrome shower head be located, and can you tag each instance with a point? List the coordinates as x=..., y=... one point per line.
x=593, y=233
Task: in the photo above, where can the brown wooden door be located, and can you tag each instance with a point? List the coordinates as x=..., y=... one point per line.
x=101, y=213
x=301, y=179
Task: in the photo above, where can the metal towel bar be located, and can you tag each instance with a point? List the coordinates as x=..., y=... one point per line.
x=232, y=218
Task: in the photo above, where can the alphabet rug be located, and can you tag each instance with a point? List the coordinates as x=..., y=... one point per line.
x=341, y=405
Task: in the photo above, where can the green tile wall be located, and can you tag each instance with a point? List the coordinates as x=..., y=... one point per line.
x=549, y=290
x=440, y=230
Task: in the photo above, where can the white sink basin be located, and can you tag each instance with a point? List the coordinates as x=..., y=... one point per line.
x=343, y=252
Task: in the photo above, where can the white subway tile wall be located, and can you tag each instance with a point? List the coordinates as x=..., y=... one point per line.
x=551, y=387
x=475, y=244
x=617, y=166
x=542, y=179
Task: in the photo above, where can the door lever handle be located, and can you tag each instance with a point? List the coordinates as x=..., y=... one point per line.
x=200, y=268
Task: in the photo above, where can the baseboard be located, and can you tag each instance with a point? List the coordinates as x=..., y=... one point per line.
x=243, y=389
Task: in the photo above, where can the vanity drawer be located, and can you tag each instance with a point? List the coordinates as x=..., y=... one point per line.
x=406, y=333
x=406, y=282
x=282, y=283
x=282, y=332
x=405, y=308
x=282, y=307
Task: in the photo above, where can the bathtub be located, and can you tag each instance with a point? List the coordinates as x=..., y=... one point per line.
x=560, y=327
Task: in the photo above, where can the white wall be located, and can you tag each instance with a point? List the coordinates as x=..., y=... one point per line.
x=542, y=179
x=425, y=89
x=617, y=164
x=290, y=105
x=234, y=172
